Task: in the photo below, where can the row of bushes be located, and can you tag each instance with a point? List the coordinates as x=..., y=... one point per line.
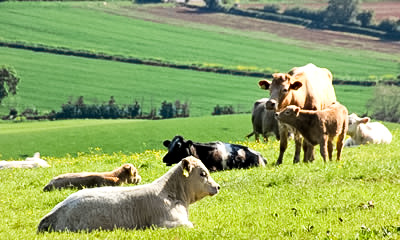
x=110, y=110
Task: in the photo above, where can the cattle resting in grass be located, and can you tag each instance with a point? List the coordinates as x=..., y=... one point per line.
x=162, y=203
x=30, y=162
x=320, y=126
x=308, y=87
x=363, y=131
x=215, y=155
x=127, y=173
x=263, y=121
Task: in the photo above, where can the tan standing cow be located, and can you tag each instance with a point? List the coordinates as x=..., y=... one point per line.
x=308, y=87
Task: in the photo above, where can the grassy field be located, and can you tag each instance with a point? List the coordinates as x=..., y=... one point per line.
x=303, y=201
x=59, y=138
x=87, y=26
x=48, y=81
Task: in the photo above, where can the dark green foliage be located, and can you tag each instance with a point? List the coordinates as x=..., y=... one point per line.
x=389, y=25
x=366, y=17
x=167, y=110
x=8, y=81
x=272, y=8
x=220, y=110
x=341, y=11
x=315, y=15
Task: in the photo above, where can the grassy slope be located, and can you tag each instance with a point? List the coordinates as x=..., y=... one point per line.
x=94, y=30
x=49, y=80
x=303, y=201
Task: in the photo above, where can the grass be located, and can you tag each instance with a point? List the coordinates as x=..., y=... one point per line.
x=303, y=201
x=88, y=26
x=48, y=81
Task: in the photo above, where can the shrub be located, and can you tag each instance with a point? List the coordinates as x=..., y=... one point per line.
x=272, y=8
x=315, y=15
x=389, y=25
x=385, y=104
x=218, y=110
x=366, y=18
x=341, y=11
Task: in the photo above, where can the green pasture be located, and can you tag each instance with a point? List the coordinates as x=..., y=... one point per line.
x=113, y=29
x=48, y=81
x=302, y=201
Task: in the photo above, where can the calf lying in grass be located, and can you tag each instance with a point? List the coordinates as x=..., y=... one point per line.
x=127, y=173
x=162, y=203
x=319, y=127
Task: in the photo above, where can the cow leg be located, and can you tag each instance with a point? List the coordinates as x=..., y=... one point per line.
x=323, y=147
x=339, y=145
x=257, y=137
x=308, y=151
x=283, y=133
x=330, y=148
x=297, y=141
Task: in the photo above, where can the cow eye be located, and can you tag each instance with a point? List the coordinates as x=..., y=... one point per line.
x=285, y=90
x=203, y=174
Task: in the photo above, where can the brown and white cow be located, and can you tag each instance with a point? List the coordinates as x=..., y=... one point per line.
x=363, y=131
x=127, y=173
x=162, y=203
x=308, y=87
x=263, y=121
x=214, y=155
x=319, y=126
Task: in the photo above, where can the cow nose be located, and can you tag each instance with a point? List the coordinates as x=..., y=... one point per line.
x=270, y=105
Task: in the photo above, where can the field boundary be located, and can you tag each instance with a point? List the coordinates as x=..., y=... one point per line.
x=158, y=63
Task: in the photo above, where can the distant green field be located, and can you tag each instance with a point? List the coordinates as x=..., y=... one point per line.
x=86, y=26
x=48, y=81
x=58, y=138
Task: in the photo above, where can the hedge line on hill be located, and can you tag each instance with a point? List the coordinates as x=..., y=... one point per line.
x=103, y=56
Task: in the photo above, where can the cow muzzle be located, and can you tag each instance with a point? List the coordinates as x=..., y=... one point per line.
x=214, y=189
x=271, y=104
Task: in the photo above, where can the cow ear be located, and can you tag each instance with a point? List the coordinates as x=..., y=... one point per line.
x=166, y=143
x=296, y=85
x=264, y=84
x=186, y=166
x=189, y=143
x=297, y=111
x=365, y=120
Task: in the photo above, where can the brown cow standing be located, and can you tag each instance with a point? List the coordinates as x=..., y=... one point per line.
x=319, y=127
x=308, y=87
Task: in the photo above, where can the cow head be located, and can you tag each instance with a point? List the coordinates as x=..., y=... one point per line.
x=129, y=174
x=354, y=122
x=288, y=115
x=178, y=149
x=199, y=183
x=279, y=88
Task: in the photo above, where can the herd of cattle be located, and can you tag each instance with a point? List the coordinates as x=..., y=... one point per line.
x=302, y=103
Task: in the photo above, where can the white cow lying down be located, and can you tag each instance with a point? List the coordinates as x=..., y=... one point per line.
x=30, y=162
x=162, y=203
x=362, y=131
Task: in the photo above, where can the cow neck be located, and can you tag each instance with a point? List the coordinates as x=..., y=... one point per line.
x=172, y=184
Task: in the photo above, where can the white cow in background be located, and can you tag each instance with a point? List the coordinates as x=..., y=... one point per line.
x=30, y=162
x=363, y=131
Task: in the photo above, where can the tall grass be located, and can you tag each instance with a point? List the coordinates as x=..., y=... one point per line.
x=303, y=201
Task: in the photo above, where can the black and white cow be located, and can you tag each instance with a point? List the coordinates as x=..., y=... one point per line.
x=214, y=155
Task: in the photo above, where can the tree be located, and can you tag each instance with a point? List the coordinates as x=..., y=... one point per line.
x=366, y=17
x=8, y=81
x=341, y=11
